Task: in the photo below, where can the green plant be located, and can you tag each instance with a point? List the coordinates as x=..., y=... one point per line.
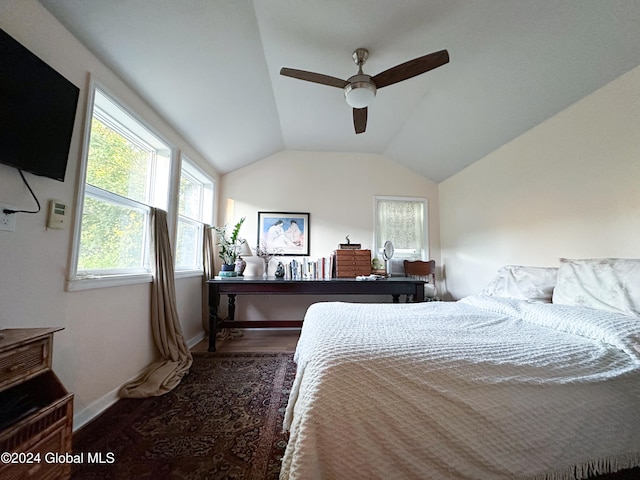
x=229, y=246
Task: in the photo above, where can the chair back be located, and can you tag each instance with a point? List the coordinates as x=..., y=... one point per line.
x=421, y=269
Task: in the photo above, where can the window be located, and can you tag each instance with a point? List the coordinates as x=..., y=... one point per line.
x=195, y=208
x=126, y=172
x=403, y=221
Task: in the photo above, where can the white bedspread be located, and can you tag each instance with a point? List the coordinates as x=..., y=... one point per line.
x=485, y=388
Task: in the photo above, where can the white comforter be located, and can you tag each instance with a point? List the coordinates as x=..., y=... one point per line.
x=484, y=388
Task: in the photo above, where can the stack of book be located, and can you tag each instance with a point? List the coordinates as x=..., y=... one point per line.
x=308, y=269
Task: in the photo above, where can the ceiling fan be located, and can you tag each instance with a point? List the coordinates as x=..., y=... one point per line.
x=360, y=89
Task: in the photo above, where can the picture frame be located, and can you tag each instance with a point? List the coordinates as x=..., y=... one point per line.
x=284, y=233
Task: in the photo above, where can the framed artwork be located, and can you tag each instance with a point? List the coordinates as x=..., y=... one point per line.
x=284, y=233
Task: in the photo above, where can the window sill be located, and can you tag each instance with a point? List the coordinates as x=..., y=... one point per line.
x=188, y=273
x=91, y=282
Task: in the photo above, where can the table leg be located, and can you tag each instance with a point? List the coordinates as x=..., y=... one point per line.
x=214, y=301
x=419, y=295
x=232, y=306
x=396, y=298
x=213, y=327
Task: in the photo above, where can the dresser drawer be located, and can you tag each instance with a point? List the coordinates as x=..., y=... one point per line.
x=40, y=465
x=353, y=254
x=358, y=262
x=352, y=271
x=23, y=362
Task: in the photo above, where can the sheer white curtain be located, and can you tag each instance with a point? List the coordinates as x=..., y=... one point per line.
x=402, y=222
x=164, y=375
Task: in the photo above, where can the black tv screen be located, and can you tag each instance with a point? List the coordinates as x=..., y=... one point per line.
x=37, y=112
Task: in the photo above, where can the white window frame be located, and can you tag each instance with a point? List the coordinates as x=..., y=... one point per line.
x=204, y=215
x=89, y=280
x=396, y=266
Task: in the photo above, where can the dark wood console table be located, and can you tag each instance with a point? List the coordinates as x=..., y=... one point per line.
x=394, y=286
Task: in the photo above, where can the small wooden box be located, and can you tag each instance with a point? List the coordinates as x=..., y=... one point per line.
x=352, y=263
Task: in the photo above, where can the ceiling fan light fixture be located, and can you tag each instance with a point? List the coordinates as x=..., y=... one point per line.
x=360, y=90
x=360, y=93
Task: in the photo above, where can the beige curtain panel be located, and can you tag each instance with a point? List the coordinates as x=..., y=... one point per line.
x=209, y=268
x=164, y=375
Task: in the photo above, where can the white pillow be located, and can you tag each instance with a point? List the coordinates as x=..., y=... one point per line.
x=523, y=283
x=602, y=283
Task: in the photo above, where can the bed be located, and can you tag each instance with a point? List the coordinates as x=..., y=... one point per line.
x=537, y=377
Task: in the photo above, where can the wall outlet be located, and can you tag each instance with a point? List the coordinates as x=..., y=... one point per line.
x=7, y=221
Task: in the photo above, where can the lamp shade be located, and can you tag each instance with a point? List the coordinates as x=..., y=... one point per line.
x=359, y=92
x=245, y=251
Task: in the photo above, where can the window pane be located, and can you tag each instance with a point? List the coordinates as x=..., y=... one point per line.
x=188, y=245
x=195, y=204
x=127, y=170
x=117, y=164
x=402, y=223
x=190, y=197
x=112, y=236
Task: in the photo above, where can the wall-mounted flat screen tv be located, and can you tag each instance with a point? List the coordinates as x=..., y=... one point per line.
x=37, y=112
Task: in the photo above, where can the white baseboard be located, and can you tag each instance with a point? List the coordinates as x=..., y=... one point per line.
x=95, y=408
x=80, y=419
x=197, y=339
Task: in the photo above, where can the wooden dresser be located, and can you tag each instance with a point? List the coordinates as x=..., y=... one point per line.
x=352, y=263
x=36, y=412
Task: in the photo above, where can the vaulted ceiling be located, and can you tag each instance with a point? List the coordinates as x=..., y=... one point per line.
x=211, y=69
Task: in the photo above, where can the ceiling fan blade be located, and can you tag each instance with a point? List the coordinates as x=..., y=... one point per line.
x=411, y=68
x=360, y=119
x=313, y=77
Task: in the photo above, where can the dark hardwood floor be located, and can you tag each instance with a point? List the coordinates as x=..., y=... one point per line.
x=255, y=340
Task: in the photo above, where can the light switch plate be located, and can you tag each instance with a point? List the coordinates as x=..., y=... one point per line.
x=7, y=221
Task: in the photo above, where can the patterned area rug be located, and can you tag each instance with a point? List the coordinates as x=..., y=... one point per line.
x=224, y=421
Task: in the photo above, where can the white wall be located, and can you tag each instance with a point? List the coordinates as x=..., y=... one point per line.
x=568, y=188
x=107, y=338
x=337, y=189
